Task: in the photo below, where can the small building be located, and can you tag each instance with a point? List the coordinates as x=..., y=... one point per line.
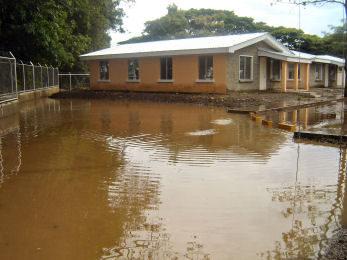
x=215, y=64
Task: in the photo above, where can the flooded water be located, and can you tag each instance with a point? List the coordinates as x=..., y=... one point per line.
x=326, y=119
x=110, y=180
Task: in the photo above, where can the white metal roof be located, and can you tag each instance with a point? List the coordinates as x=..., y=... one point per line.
x=290, y=57
x=330, y=59
x=320, y=58
x=203, y=45
x=302, y=57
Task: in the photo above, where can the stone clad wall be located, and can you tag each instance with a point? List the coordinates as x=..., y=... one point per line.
x=233, y=82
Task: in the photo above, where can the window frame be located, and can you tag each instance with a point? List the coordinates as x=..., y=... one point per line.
x=104, y=76
x=332, y=72
x=245, y=68
x=203, y=62
x=133, y=69
x=288, y=76
x=279, y=70
x=318, y=75
x=167, y=70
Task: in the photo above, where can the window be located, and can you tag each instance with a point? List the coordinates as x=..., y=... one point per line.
x=332, y=72
x=166, y=68
x=205, y=67
x=246, y=67
x=291, y=68
x=104, y=73
x=133, y=69
x=318, y=71
x=275, y=69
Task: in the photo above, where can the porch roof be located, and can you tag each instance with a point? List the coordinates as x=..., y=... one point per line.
x=329, y=59
x=290, y=57
x=302, y=57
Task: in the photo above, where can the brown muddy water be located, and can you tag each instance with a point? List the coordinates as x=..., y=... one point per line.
x=100, y=179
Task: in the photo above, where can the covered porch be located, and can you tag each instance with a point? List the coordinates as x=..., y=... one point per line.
x=283, y=72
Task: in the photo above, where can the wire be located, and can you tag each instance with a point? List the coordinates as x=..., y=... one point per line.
x=298, y=83
x=342, y=117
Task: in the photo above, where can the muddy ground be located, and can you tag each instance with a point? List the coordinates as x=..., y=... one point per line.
x=229, y=100
x=338, y=244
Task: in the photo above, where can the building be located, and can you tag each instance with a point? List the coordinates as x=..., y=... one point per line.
x=215, y=64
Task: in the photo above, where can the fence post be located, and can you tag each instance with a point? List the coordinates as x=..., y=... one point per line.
x=15, y=74
x=58, y=77
x=52, y=75
x=23, y=75
x=47, y=75
x=41, y=76
x=11, y=76
x=33, y=74
x=70, y=81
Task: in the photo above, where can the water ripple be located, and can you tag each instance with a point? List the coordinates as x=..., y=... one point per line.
x=203, y=132
x=225, y=121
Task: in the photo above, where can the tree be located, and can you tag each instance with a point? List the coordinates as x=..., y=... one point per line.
x=173, y=25
x=205, y=22
x=335, y=40
x=195, y=23
x=56, y=32
x=296, y=39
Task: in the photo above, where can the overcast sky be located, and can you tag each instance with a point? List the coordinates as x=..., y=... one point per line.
x=313, y=20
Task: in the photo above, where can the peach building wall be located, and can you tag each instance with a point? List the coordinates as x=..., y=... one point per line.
x=185, y=72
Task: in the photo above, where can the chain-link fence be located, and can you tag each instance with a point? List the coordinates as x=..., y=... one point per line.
x=17, y=77
x=31, y=77
x=71, y=81
x=8, y=79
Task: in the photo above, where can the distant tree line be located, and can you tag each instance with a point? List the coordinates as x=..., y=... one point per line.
x=56, y=32
x=179, y=24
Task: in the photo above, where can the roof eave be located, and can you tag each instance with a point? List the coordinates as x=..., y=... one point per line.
x=271, y=41
x=282, y=56
x=156, y=54
x=326, y=61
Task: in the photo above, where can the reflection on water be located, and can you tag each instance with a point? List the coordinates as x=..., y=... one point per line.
x=203, y=132
x=327, y=119
x=109, y=180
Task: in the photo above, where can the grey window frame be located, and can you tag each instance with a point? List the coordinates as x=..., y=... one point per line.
x=243, y=69
x=166, y=68
x=318, y=74
x=133, y=69
x=289, y=70
x=206, y=67
x=104, y=71
x=279, y=70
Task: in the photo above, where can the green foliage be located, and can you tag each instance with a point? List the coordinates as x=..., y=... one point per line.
x=206, y=22
x=335, y=41
x=56, y=32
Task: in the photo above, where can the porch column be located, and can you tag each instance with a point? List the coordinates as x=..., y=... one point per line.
x=326, y=75
x=304, y=118
x=282, y=117
x=296, y=72
x=284, y=76
x=295, y=116
x=307, y=76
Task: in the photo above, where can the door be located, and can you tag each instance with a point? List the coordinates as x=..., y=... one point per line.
x=262, y=73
